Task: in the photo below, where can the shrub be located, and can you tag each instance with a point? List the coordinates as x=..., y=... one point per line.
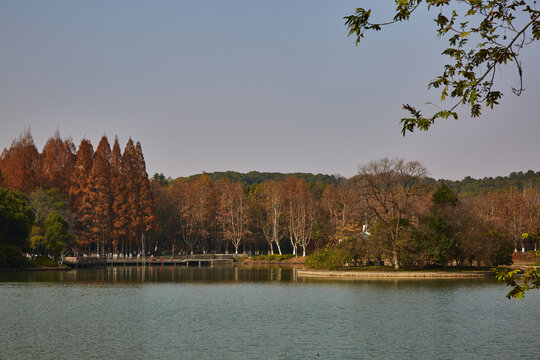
x=11, y=257
x=282, y=257
x=276, y=257
x=327, y=259
x=43, y=261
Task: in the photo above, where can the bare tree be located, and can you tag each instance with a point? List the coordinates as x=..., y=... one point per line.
x=341, y=206
x=194, y=200
x=272, y=203
x=512, y=213
x=388, y=188
x=232, y=212
x=301, y=203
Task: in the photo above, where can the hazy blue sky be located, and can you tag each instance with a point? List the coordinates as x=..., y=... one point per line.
x=248, y=85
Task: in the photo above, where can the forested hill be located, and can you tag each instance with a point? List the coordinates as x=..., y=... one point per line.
x=467, y=186
x=255, y=177
x=518, y=180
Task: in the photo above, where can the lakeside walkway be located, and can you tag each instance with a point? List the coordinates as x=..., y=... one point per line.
x=378, y=275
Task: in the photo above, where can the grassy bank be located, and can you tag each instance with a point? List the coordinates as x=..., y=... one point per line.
x=285, y=259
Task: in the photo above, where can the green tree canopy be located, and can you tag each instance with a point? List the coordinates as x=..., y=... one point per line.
x=444, y=196
x=16, y=218
x=44, y=202
x=57, y=236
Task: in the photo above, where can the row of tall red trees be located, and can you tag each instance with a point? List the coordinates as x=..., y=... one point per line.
x=108, y=191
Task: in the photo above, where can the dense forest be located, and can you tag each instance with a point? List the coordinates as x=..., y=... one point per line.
x=80, y=200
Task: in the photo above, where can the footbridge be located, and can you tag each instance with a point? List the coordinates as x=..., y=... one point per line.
x=187, y=260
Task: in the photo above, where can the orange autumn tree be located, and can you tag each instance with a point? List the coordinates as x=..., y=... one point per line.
x=58, y=162
x=194, y=200
x=129, y=159
x=20, y=164
x=390, y=188
x=166, y=212
x=146, y=200
x=100, y=195
x=232, y=212
x=303, y=209
x=120, y=209
x=140, y=203
x=184, y=200
x=340, y=204
x=79, y=198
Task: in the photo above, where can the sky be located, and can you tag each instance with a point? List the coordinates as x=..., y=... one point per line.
x=245, y=85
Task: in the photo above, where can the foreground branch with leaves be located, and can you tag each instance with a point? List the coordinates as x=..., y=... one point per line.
x=483, y=36
x=529, y=280
x=520, y=284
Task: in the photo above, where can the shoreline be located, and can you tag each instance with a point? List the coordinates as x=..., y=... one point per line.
x=293, y=261
x=270, y=262
x=57, y=268
x=377, y=275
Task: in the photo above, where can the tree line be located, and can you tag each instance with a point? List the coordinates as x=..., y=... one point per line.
x=104, y=202
x=518, y=180
x=390, y=211
x=256, y=177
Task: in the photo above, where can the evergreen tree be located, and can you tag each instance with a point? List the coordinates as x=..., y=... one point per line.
x=146, y=201
x=129, y=163
x=100, y=194
x=120, y=209
x=444, y=196
x=20, y=164
x=78, y=192
x=58, y=162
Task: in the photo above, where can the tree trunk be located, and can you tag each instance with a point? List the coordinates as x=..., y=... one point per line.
x=395, y=260
x=278, y=247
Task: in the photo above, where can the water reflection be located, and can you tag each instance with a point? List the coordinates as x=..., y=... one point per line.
x=217, y=274
x=158, y=274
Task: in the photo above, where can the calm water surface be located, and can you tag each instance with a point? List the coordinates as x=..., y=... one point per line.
x=258, y=313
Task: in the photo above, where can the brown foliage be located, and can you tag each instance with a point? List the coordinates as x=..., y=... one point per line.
x=21, y=164
x=99, y=194
x=78, y=193
x=232, y=212
x=58, y=159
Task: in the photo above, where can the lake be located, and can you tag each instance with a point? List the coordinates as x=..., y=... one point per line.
x=258, y=313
